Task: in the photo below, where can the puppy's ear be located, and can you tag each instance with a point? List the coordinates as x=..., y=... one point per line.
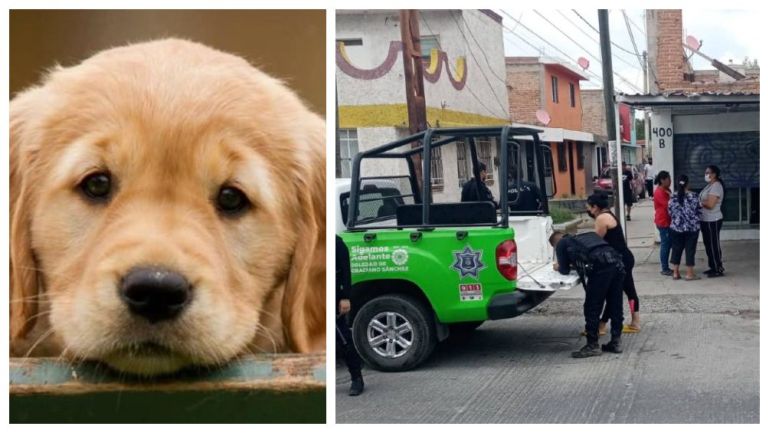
x=24, y=288
x=303, y=308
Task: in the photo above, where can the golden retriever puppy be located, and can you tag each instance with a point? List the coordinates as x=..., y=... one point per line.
x=167, y=210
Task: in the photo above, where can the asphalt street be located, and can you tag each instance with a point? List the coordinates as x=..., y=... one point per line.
x=696, y=359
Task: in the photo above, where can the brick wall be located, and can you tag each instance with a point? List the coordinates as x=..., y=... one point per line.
x=667, y=58
x=593, y=112
x=524, y=90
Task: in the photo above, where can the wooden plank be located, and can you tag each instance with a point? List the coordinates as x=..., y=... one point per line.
x=266, y=388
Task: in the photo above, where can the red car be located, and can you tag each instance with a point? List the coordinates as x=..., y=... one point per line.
x=604, y=182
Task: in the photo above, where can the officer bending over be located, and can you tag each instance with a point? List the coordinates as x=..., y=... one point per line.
x=602, y=274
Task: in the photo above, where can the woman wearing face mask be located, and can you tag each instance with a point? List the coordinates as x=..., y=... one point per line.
x=661, y=217
x=607, y=226
x=711, y=198
x=684, y=209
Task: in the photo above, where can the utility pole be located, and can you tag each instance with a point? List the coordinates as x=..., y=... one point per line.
x=338, y=139
x=611, y=112
x=413, y=69
x=646, y=123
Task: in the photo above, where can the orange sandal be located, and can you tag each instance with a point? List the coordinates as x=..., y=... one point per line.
x=629, y=329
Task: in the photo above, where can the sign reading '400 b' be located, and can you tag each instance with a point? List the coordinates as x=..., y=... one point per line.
x=378, y=259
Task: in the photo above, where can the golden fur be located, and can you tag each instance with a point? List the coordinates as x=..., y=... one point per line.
x=172, y=121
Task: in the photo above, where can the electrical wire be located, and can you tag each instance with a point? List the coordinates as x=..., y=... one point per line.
x=472, y=53
x=636, y=26
x=566, y=54
x=594, y=39
x=542, y=53
x=569, y=38
x=598, y=32
x=466, y=85
x=632, y=38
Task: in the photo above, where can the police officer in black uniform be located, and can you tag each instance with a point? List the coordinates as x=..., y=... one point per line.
x=476, y=190
x=602, y=274
x=343, y=335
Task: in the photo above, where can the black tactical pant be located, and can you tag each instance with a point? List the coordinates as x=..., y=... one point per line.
x=346, y=346
x=604, y=287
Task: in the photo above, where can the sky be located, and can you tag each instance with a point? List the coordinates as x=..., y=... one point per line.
x=726, y=35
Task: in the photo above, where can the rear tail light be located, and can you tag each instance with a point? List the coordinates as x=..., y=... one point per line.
x=506, y=259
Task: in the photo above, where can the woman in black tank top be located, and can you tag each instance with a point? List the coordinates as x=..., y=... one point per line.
x=611, y=232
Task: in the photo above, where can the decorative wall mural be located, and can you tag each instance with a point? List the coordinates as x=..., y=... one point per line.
x=432, y=72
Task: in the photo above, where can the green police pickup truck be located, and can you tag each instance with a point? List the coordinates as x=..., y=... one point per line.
x=425, y=264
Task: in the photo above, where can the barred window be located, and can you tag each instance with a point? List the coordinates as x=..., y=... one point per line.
x=484, y=146
x=436, y=167
x=348, y=149
x=462, y=162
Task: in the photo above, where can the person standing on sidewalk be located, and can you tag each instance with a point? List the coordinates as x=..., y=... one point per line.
x=684, y=209
x=661, y=217
x=626, y=183
x=607, y=227
x=343, y=334
x=712, y=220
x=650, y=175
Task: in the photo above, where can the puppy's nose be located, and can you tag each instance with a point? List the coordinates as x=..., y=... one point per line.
x=155, y=293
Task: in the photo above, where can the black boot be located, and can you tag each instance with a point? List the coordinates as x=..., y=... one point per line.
x=591, y=349
x=357, y=386
x=614, y=346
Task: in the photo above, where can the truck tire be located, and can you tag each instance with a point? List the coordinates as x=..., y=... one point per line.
x=394, y=333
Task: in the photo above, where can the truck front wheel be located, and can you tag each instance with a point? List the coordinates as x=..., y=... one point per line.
x=394, y=333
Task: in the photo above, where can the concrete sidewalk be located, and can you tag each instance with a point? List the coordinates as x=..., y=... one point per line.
x=740, y=258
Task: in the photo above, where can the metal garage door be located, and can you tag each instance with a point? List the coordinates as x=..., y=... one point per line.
x=738, y=156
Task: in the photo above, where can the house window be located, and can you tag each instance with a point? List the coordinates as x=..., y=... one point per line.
x=436, y=167
x=548, y=166
x=351, y=42
x=464, y=159
x=580, y=155
x=555, y=97
x=428, y=42
x=562, y=162
x=572, y=89
x=348, y=148
x=462, y=162
x=484, y=146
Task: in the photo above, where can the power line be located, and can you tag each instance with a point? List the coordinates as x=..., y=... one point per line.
x=472, y=53
x=594, y=39
x=636, y=26
x=564, y=53
x=541, y=52
x=466, y=84
x=598, y=32
x=482, y=51
x=632, y=38
x=569, y=38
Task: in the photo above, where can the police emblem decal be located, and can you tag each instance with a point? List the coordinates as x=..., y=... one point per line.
x=468, y=262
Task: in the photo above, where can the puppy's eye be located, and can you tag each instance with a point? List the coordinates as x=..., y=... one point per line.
x=97, y=186
x=231, y=200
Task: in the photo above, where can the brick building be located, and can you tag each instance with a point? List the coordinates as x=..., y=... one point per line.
x=700, y=118
x=539, y=83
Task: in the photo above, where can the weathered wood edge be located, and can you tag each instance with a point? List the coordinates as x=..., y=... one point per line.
x=280, y=373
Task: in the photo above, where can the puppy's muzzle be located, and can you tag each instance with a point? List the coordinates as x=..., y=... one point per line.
x=155, y=293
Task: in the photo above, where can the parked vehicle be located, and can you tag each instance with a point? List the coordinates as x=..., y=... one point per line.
x=423, y=270
x=604, y=183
